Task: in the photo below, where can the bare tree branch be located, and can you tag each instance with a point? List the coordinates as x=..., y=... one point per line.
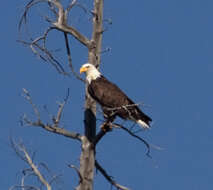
x=69, y=7
x=109, y=178
x=105, y=127
x=26, y=187
x=24, y=155
x=85, y=9
x=52, y=8
x=107, y=49
x=62, y=25
x=29, y=99
x=70, y=59
x=54, y=178
x=77, y=171
x=27, y=8
x=54, y=128
x=14, y=146
x=116, y=125
x=35, y=169
x=124, y=107
x=46, y=56
x=57, y=119
x=26, y=176
x=77, y=35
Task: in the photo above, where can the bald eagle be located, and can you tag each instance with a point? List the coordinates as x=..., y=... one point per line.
x=114, y=102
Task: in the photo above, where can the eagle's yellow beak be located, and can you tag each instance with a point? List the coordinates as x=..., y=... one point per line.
x=83, y=69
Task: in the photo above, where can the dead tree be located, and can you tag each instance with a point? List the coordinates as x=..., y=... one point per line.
x=90, y=138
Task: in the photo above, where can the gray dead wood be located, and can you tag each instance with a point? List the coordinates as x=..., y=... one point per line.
x=87, y=159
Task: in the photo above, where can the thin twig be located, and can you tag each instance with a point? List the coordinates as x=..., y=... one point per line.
x=70, y=6
x=14, y=146
x=46, y=34
x=27, y=7
x=77, y=171
x=124, y=107
x=54, y=178
x=29, y=99
x=134, y=135
x=70, y=59
x=52, y=8
x=60, y=110
x=106, y=50
x=26, y=187
x=109, y=178
x=85, y=9
x=47, y=55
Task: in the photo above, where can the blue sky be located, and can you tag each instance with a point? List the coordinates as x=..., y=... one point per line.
x=161, y=54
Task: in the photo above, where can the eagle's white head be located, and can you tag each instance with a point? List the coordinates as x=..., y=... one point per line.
x=91, y=72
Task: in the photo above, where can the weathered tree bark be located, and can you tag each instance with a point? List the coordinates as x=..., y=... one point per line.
x=87, y=160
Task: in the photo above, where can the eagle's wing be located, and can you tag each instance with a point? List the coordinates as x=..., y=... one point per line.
x=114, y=101
x=107, y=94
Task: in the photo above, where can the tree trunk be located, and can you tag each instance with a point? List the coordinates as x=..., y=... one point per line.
x=87, y=159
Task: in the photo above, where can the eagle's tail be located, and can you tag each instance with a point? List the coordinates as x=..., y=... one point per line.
x=144, y=121
x=143, y=124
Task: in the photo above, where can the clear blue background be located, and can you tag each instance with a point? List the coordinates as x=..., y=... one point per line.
x=161, y=54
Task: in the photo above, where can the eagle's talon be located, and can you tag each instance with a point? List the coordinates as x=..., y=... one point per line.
x=106, y=127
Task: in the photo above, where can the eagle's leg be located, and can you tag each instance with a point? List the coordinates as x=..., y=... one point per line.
x=106, y=127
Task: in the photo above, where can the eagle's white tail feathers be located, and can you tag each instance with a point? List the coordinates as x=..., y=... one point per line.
x=143, y=124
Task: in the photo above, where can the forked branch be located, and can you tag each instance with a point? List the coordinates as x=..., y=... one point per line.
x=61, y=22
x=42, y=52
x=54, y=127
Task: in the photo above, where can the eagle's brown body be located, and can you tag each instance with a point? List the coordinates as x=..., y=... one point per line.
x=114, y=101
